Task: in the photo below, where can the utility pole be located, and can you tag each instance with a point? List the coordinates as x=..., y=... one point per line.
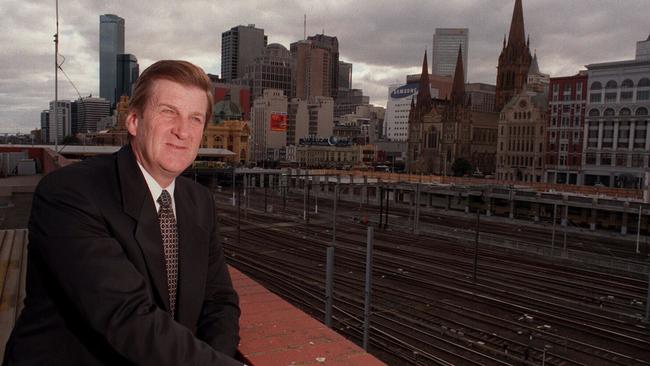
x=478, y=228
x=638, y=229
x=56, y=81
x=553, y=234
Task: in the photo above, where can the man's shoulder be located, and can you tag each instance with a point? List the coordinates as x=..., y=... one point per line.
x=196, y=191
x=86, y=173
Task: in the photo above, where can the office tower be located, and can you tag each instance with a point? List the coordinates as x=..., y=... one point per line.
x=482, y=96
x=345, y=75
x=128, y=71
x=272, y=70
x=269, y=126
x=446, y=42
x=89, y=111
x=331, y=45
x=239, y=47
x=45, y=121
x=514, y=60
x=111, y=43
x=311, y=75
x=59, y=126
x=643, y=50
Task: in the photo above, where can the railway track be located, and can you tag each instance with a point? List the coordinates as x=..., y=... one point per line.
x=422, y=288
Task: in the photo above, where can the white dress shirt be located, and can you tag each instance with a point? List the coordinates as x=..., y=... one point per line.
x=156, y=189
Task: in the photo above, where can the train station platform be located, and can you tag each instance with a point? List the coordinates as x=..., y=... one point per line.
x=273, y=332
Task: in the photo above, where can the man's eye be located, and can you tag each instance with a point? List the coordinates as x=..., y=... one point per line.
x=167, y=111
x=197, y=119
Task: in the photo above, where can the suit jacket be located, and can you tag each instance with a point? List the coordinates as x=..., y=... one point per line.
x=96, y=282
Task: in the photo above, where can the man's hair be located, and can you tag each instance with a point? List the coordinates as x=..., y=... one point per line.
x=182, y=72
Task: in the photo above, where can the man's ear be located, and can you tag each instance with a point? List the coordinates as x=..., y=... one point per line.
x=132, y=122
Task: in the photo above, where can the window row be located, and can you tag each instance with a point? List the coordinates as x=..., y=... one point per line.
x=640, y=111
x=626, y=84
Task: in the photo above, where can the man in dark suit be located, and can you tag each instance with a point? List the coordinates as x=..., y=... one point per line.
x=125, y=266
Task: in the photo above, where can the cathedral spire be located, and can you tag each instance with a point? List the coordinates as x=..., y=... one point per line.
x=458, y=87
x=424, y=94
x=517, y=35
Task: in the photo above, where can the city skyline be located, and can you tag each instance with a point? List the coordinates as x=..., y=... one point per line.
x=383, y=43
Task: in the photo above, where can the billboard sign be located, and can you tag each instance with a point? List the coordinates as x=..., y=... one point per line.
x=278, y=122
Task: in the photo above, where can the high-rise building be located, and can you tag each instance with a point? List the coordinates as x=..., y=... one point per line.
x=45, y=122
x=128, y=71
x=59, y=126
x=565, y=122
x=514, y=60
x=331, y=45
x=272, y=70
x=643, y=50
x=89, y=111
x=398, y=107
x=311, y=74
x=239, y=47
x=111, y=44
x=348, y=100
x=345, y=75
x=269, y=126
x=446, y=42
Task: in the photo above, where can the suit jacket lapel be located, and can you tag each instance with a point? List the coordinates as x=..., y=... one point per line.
x=137, y=203
x=192, y=253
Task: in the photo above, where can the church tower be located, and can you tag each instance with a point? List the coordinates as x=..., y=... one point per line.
x=514, y=61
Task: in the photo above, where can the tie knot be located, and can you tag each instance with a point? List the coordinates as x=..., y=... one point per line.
x=165, y=200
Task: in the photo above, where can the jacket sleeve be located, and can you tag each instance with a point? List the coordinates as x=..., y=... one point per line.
x=218, y=323
x=109, y=294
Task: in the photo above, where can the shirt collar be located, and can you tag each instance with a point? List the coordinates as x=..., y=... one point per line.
x=156, y=189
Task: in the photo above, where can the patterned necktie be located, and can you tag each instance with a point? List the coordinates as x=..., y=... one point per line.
x=170, y=245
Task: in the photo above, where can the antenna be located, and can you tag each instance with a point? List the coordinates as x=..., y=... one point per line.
x=304, y=28
x=56, y=80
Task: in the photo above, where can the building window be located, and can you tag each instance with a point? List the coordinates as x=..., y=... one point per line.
x=596, y=85
x=627, y=84
x=610, y=97
x=626, y=96
x=590, y=159
x=608, y=112
x=637, y=160
x=611, y=85
x=621, y=159
x=605, y=159
x=595, y=98
x=643, y=95
x=594, y=112
x=624, y=112
x=641, y=111
x=644, y=82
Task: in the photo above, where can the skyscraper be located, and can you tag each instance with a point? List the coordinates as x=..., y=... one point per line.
x=128, y=71
x=331, y=45
x=272, y=70
x=514, y=61
x=345, y=75
x=445, y=49
x=239, y=47
x=89, y=111
x=59, y=124
x=111, y=43
x=312, y=67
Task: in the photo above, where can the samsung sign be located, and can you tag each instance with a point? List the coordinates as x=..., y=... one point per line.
x=404, y=91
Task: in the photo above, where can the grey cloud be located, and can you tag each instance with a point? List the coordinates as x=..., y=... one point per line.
x=387, y=37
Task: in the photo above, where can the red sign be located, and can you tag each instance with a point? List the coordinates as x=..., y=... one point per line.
x=278, y=122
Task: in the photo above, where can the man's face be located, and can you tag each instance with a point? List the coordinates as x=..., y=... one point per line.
x=166, y=137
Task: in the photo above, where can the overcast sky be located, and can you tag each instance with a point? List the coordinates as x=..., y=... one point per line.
x=385, y=40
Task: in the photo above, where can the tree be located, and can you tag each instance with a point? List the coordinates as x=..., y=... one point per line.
x=461, y=167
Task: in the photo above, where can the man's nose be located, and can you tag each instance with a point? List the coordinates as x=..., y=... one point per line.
x=182, y=127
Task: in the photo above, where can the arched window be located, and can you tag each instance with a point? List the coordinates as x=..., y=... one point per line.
x=596, y=85
x=608, y=112
x=625, y=112
x=611, y=85
x=642, y=111
x=644, y=82
x=627, y=83
x=594, y=113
